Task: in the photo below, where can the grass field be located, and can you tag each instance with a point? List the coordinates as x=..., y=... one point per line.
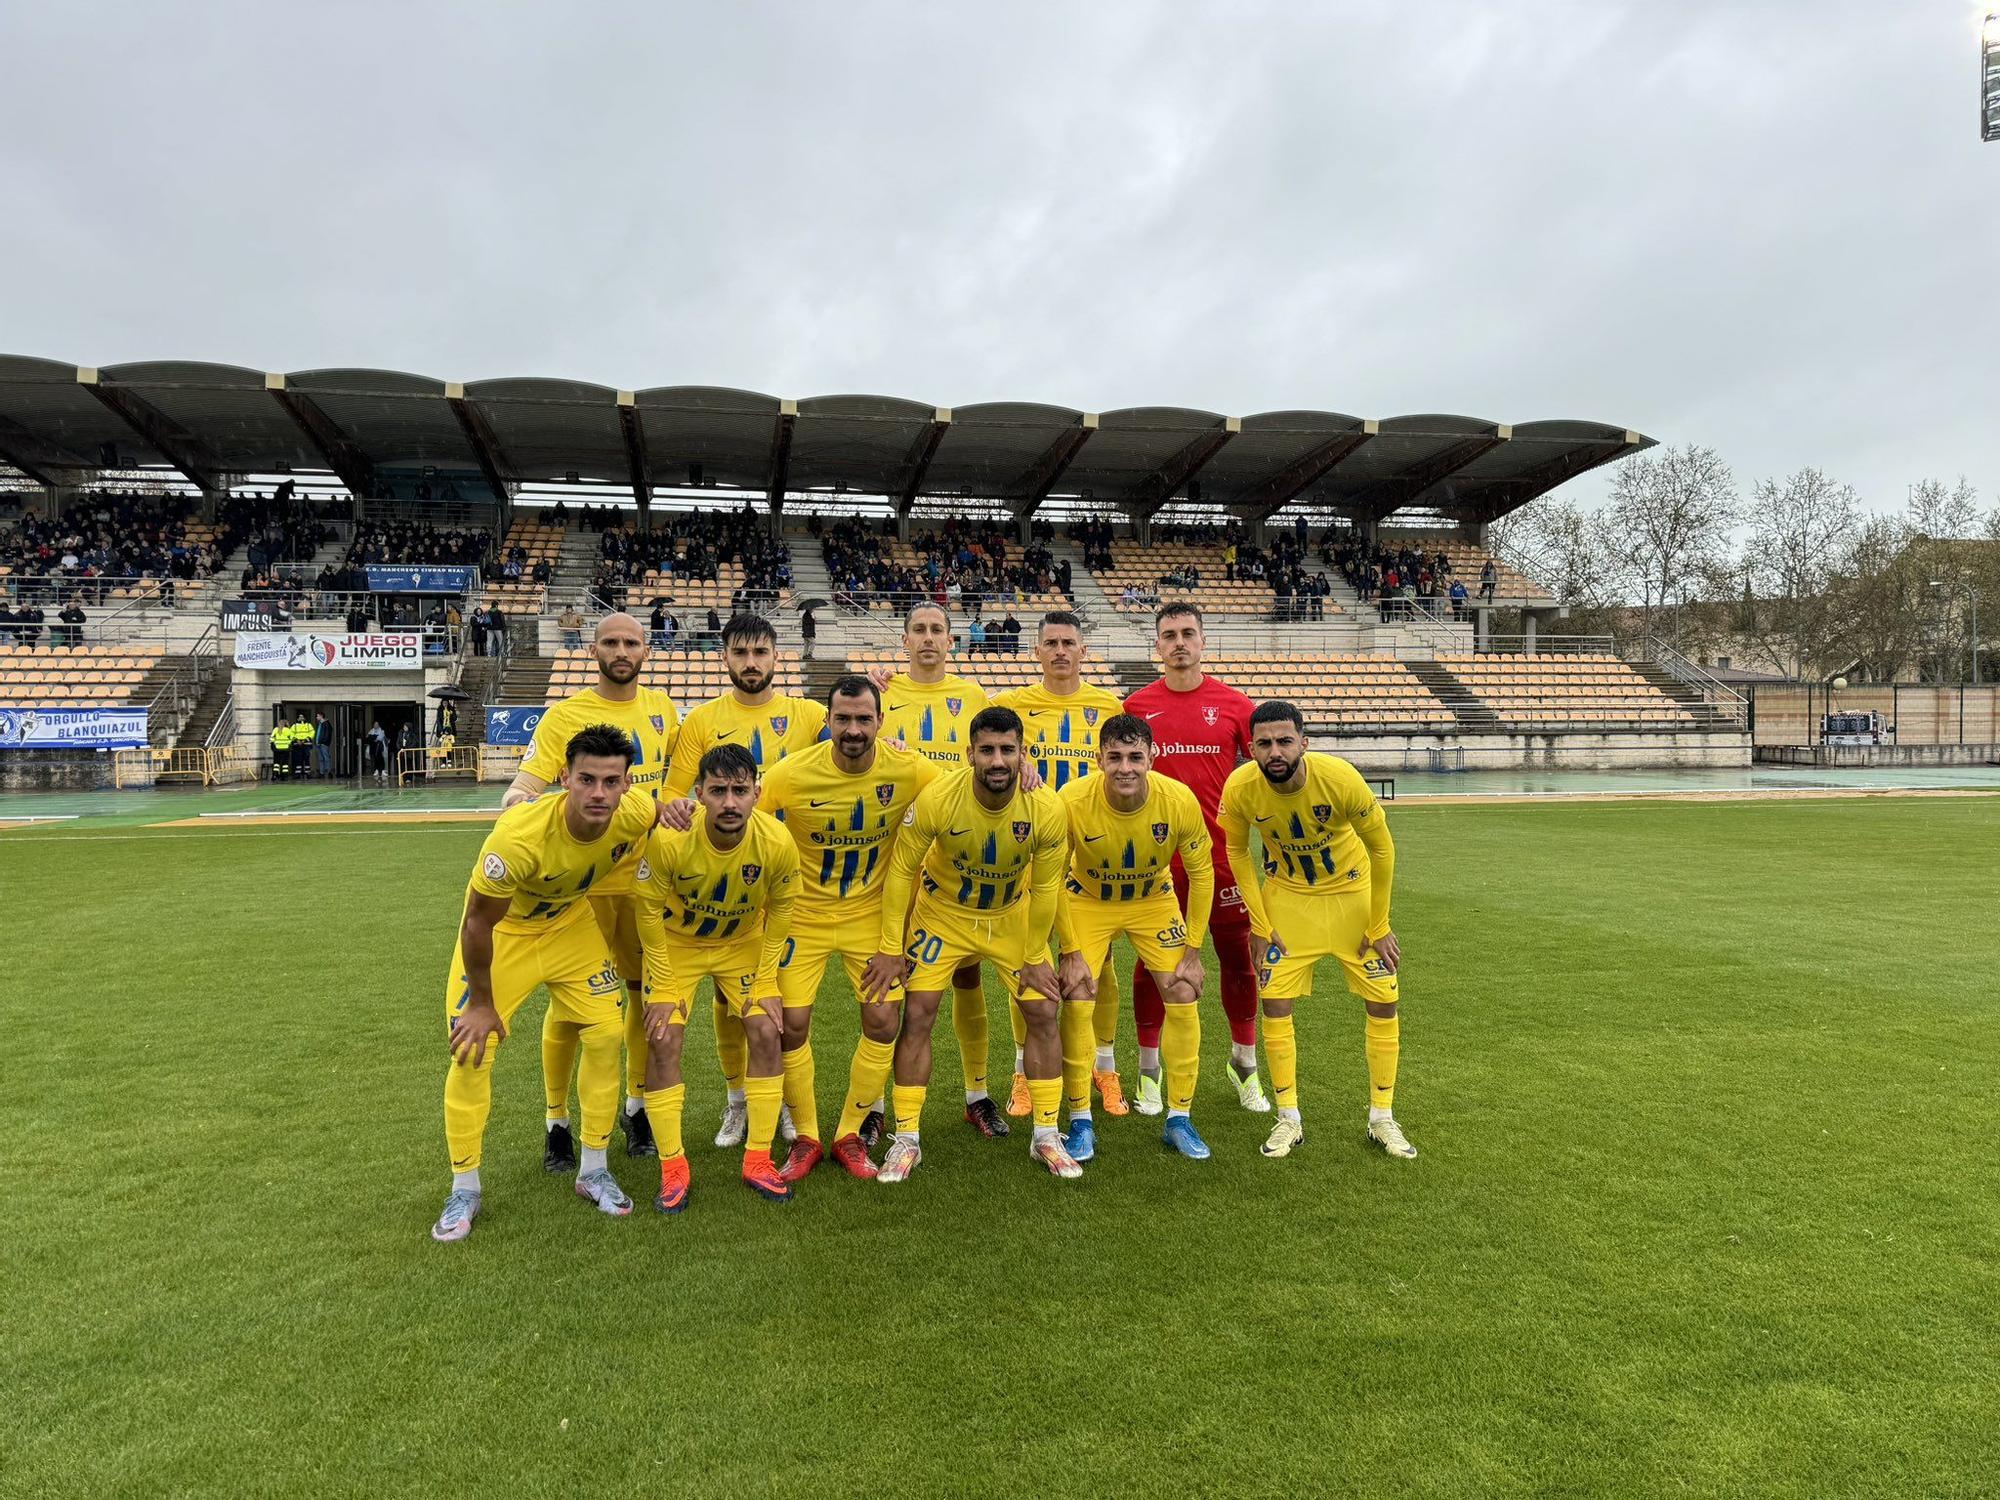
x=1707, y=1205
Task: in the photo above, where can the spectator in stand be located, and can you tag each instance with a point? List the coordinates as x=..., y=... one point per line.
x=478, y=632
x=6, y=624
x=1010, y=634
x=496, y=630
x=1458, y=599
x=656, y=625
x=808, y=632
x=1489, y=580
x=571, y=620
x=712, y=631
x=73, y=619
x=357, y=621
x=975, y=634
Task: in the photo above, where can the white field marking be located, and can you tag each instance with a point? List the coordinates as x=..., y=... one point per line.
x=240, y=833
x=14, y=818
x=351, y=812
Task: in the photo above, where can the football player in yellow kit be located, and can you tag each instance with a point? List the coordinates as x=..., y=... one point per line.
x=648, y=715
x=1126, y=825
x=985, y=860
x=930, y=710
x=843, y=802
x=527, y=921
x=715, y=903
x=1060, y=717
x=770, y=725
x=1326, y=872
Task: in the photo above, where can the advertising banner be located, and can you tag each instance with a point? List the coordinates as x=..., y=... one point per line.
x=388, y=651
x=428, y=580
x=249, y=614
x=513, y=724
x=71, y=728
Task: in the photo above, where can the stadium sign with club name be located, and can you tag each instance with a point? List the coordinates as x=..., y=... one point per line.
x=393, y=651
x=63, y=728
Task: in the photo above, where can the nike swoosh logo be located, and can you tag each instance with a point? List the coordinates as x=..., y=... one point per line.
x=958, y=833
x=1091, y=838
x=1263, y=817
x=723, y=734
x=1151, y=717
x=815, y=802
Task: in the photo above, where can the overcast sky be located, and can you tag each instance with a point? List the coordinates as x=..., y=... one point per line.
x=1762, y=225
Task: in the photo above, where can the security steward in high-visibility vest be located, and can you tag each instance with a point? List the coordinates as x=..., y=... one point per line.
x=281, y=750
x=302, y=746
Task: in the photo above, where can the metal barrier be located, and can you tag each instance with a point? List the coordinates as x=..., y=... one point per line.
x=228, y=766
x=132, y=768
x=500, y=762
x=437, y=763
x=181, y=765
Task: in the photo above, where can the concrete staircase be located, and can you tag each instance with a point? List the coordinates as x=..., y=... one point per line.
x=525, y=679
x=575, y=567
x=207, y=709
x=1473, y=716
x=1704, y=713
x=481, y=677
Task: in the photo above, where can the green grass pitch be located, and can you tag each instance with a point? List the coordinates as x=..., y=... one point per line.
x=1707, y=1205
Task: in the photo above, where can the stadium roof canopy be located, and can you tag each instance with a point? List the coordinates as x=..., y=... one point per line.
x=62, y=424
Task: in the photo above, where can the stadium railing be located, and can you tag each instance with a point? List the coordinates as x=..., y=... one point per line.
x=437, y=763
x=1723, y=698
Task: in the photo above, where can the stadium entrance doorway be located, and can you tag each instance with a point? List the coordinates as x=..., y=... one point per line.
x=401, y=722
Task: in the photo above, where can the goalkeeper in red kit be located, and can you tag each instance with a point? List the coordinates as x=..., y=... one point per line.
x=1201, y=728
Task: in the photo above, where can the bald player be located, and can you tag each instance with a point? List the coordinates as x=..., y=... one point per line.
x=652, y=723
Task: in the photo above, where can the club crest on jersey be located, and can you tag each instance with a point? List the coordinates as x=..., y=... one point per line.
x=780, y=722
x=1210, y=714
x=645, y=869
x=953, y=705
x=1159, y=833
x=885, y=792
x=1090, y=716
x=619, y=851
x=659, y=723
x=750, y=873
x=1322, y=811
x=1022, y=828
x=494, y=867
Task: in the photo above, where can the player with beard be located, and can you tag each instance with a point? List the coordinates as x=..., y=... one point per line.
x=770, y=725
x=1326, y=869
x=1201, y=728
x=650, y=720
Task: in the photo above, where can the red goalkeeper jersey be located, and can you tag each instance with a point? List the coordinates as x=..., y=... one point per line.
x=1198, y=738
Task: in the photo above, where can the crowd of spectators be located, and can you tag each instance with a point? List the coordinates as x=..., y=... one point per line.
x=418, y=544
x=102, y=539
x=686, y=545
x=963, y=564
x=1402, y=579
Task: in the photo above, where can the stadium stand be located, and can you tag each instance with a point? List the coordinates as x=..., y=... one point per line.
x=113, y=546
x=1350, y=689
x=517, y=577
x=965, y=566
x=1564, y=691
x=694, y=561
x=75, y=676
x=1465, y=561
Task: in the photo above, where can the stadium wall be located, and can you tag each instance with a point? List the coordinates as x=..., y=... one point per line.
x=55, y=771
x=1579, y=751
x=257, y=693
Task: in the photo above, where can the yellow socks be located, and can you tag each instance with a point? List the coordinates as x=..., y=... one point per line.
x=664, y=1108
x=1180, y=1055
x=1281, y=1050
x=468, y=1100
x=1047, y=1094
x=968, y=1020
x=799, y=1092
x=909, y=1103
x=559, y=1062
x=731, y=1050
x=597, y=1083
x=1383, y=1043
x=761, y=1099
x=1104, y=1018
x=866, y=1077
x=635, y=1044
x=1079, y=1044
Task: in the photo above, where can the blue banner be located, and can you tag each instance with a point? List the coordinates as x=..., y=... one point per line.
x=72, y=728
x=513, y=726
x=428, y=580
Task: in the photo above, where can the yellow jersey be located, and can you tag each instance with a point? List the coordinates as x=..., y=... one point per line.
x=1059, y=730
x=932, y=718
x=982, y=860
x=692, y=892
x=769, y=731
x=1327, y=835
x=1118, y=856
x=844, y=824
x=649, y=720
x=531, y=859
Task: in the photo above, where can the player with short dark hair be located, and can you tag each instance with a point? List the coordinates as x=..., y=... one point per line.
x=1201, y=727
x=1327, y=865
x=715, y=903
x=983, y=859
x=769, y=724
x=527, y=922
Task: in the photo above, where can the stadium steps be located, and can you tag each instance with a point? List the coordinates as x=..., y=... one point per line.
x=574, y=568
x=481, y=678
x=525, y=679
x=817, y=675
x=207, y=709
x=1698, y=708
x=1473, y=716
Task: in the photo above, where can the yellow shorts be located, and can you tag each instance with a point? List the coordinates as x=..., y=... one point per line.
x=1155, y=925
x=733, y=966
x=570, y=958
x=1316, y=925
x=618, y=916
x=943, y=935
x=802, y=963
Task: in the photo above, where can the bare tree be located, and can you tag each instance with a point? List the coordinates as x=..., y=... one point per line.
x=1946, y=513
x=1670, y=514
x=1802, y=537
